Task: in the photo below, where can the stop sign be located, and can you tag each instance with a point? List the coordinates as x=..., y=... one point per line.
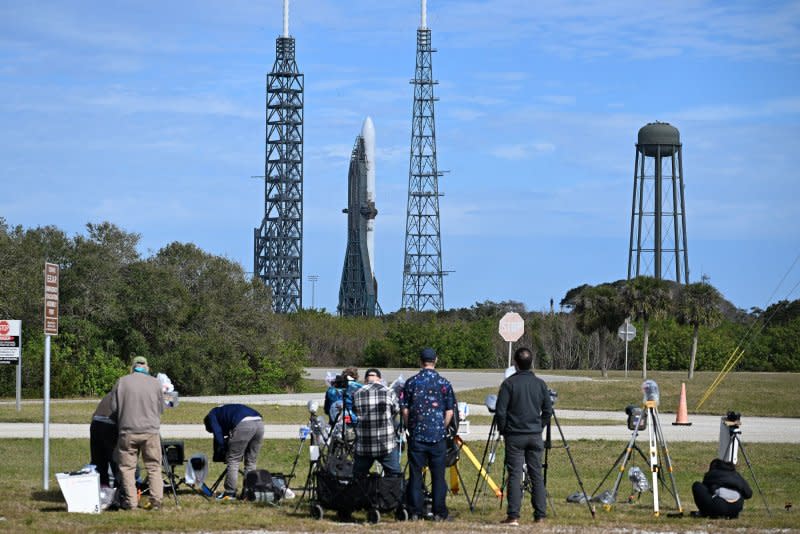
x=512, y=326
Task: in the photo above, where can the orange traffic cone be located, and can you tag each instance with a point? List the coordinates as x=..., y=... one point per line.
x=682, y=417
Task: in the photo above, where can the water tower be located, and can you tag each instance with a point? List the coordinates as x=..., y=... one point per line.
x=658, y=209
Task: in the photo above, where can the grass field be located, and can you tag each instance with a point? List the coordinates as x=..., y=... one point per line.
x=26, y=508
x=752, y=394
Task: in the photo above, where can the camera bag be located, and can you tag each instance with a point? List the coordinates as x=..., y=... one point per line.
x=262, y=487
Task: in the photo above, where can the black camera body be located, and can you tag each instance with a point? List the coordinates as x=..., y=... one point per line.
x=633, y=413
x=553, y=395
x=340, y=382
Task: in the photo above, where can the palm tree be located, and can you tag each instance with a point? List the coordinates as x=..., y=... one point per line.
x=597, y=309
x=698, y=305
x=647, y=298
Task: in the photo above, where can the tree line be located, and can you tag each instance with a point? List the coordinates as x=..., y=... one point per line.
x=203, y=321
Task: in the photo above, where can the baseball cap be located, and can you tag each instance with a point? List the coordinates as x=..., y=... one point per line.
x=427, y=354
x=139, y=360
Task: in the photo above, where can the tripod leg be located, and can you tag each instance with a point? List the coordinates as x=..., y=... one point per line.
x=752, y=473
x=574, y=467
x=654, y=467
x=219, y=480
x=296, y=458
x=626, y=455
x=168, y=472
x=667, y=462
x=547, y=447
x=479, y=480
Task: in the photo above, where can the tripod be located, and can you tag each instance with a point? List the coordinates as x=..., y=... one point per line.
x=659, y=454
x=735, y=445
x=547, y=446
x=490, y=453
x=318, y=436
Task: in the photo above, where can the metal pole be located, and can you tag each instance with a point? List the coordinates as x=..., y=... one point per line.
x=46, y=439
x=19, y=372
x=509, y=354
x=626, y=353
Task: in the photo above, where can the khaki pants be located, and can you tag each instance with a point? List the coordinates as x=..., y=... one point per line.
x=128, y=448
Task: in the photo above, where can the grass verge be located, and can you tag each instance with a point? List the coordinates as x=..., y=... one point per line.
x=752, y=394
x=25, y=507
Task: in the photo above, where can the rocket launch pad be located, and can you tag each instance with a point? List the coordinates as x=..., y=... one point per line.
x=358, y=293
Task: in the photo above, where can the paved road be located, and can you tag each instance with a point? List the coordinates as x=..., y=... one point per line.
x=705, y=428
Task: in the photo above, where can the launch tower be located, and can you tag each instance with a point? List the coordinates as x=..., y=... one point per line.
x=658, y=210
x=423, y=286
x=278, y=257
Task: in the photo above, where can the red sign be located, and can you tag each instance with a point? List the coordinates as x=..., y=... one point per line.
x=4, y=328
x=51, y=299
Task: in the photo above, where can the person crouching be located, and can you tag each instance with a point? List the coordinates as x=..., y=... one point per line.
x=238, y=433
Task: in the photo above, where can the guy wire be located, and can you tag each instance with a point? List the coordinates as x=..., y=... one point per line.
x=747, y=338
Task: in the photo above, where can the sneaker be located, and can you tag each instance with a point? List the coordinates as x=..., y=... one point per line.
x=145, y=505
x=539, y=520
x=288, y=494
x=510, y=522
x=443, y=518
x=226, y=496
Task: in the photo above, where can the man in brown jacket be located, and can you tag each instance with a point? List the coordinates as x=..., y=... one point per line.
x=137, y=402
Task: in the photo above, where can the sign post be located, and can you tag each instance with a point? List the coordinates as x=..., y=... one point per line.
x=11, y=350
x=626, y=333
x=511, y=328
x=50, y=329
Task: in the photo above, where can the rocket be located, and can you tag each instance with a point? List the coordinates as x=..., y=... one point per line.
x=358, y=293
x=368, y=135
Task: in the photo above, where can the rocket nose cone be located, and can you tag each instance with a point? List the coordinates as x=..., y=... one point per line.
x=368, y=129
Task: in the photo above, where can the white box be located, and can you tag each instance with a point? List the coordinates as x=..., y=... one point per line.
x=82, y=492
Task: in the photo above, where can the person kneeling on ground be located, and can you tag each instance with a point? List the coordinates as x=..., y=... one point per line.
x=722, y=491
x=376, y=406
x=238, y=433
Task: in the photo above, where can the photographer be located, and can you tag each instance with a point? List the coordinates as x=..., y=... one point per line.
x=238, y=433
x=137, y=402
x=427, y=407
x=339, y=397
x=722, y=491
x=376, y=407
x=524, y=408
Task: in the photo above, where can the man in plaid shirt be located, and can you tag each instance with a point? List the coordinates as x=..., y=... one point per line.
x=376, y=406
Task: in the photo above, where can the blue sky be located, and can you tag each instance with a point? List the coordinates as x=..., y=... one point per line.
x=151, y=115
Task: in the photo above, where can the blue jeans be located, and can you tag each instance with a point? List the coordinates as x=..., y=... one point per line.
x=525, y=449
x=390, y=463
x=432, y=455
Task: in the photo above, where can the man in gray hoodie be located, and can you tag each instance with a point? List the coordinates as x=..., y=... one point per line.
x=137, y=401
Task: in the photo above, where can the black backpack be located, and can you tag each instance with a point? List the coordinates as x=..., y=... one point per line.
x=262, y=487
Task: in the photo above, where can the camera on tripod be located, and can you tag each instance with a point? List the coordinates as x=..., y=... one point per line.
x=635, y=412
x=553, y=395
x=340, y=382
x=733, y=419
x=729, y=435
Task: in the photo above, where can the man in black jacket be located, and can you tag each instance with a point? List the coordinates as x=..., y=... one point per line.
x=722, y=491
x=523, y=410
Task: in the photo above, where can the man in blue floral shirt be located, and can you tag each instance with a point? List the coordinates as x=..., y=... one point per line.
x=428, y=403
